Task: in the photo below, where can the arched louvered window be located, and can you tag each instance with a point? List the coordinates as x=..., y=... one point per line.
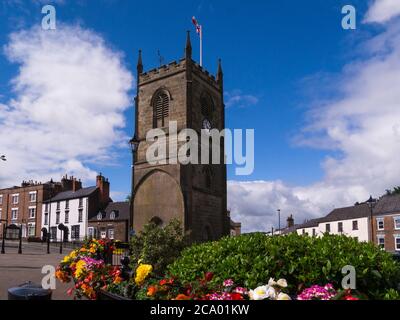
x=161, y=109
x=206, y=105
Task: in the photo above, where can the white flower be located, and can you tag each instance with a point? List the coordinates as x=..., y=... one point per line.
x=283, y=296
x=282, y=283
x=259, y=293
x=271, y=282
x=271, y=293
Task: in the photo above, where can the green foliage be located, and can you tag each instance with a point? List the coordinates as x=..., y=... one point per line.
x=250, y=260
x=158, y=246
x=396, y=190
x=392, y=294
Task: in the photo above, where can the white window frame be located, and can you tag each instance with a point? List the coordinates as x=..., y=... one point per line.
x=377, y=224
x=31, y=225
x=396, y=218
x=29, y=213
x=1, y=213
x=396, y=236
x=381, y=237
x=13, y=197
x=1, y=199
x=31, y=193
x=352, y=225
x=109, y=231
x=91, y=232
x=328, y=227
x=12, y=214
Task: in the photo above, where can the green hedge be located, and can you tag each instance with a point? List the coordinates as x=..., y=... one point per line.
x=252, y=259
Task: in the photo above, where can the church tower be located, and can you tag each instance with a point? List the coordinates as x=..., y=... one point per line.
x=184, y=92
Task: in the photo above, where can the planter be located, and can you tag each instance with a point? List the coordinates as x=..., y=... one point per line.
x=105, y=295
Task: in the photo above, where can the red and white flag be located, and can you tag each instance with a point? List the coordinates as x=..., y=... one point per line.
x=196, y=24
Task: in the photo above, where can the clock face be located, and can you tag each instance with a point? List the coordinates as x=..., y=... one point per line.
x=206, y=124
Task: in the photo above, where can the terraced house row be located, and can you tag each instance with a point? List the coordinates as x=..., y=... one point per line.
x=38, y=209
x=376, y=220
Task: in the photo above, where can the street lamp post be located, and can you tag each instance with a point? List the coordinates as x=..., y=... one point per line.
x=61, y=227
x=279, y=220
x=134, y=145
x=49, y=221
x=4, y=237
x=370, y=203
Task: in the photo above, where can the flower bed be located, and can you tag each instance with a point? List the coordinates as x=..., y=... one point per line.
x=85, y=267
x=92, y=278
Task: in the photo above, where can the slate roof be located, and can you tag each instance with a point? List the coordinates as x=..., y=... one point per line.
x=121, y=210
x=67, y=195
x=387, y=204
x=309, y=224
x=353, y=212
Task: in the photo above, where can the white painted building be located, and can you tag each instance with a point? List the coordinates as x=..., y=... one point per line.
x=73, y=209
x=350, y=221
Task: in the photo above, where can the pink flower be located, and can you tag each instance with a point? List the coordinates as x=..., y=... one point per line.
x=317, y=293
x=240, y=290
x=228, y=283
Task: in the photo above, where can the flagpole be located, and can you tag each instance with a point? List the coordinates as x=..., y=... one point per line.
x=201, y=46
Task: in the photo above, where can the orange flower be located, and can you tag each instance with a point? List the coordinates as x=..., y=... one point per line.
x=151, y=291
x=117, y=280
x=182, y=297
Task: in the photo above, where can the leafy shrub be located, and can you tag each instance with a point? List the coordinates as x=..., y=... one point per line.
x=250, y=260
x=158, y=246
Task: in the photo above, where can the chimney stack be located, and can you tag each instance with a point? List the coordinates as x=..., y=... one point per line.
x=290, y=221
x=104, y=190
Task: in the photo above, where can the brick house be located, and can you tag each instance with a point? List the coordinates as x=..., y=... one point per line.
x=111, y=222
x=386, y=223
x=22, y=205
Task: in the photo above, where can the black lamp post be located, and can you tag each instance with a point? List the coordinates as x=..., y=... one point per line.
x=370, y=203
x=134, y=143
x=4, y=237
x=279, y=220
x=61, y=227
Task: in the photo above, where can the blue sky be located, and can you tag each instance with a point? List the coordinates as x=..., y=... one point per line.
x=281, y=59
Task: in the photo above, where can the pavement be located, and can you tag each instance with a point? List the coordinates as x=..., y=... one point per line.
x=16, y=269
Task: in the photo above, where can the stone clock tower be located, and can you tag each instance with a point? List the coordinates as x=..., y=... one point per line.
x=184, y=92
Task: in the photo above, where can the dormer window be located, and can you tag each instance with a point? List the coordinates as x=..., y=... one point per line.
x=99, y=216
x=112, y=215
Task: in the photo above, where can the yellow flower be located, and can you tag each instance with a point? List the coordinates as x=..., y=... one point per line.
x=80, y=268
x=142, y=272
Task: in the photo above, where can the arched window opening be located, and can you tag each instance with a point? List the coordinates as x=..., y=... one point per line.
x=161, y=109
x=157, y=221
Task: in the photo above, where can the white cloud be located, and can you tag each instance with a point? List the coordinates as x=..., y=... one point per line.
x=69, y=96
x=238, y=99
x=362, y=127
x=382, y=11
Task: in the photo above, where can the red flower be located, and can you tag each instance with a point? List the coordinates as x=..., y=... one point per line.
x=236, y=296
x=208, y=276
x=350, y=298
